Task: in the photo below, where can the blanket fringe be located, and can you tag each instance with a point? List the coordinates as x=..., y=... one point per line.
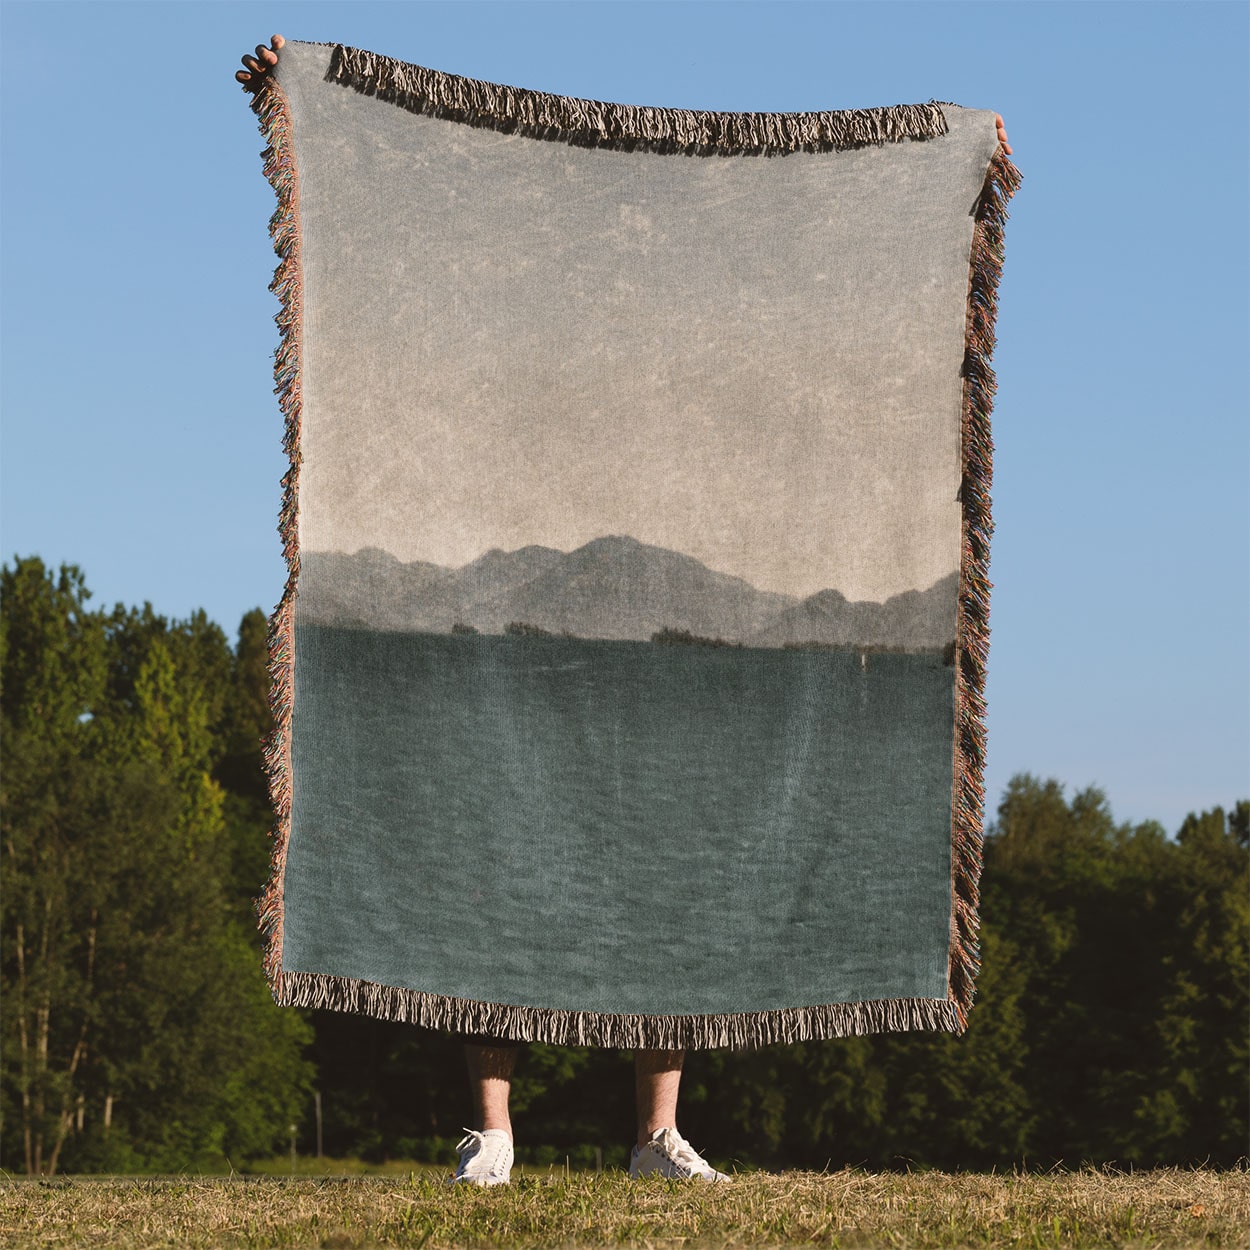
x=273, y=113
x=593, y=123
x=743, y=1031
x=973, y=628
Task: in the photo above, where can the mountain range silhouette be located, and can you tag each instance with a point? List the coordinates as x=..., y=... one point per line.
x=610, y=587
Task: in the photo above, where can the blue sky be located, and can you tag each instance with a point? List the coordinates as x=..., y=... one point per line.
x=141, y=439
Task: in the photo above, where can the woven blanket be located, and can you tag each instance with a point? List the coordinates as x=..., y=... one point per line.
x=628, y=675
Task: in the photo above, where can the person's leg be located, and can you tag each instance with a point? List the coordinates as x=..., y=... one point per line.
x=486, y=1152
x=657, y=1078
x=490, y=1082
x=661, y=1149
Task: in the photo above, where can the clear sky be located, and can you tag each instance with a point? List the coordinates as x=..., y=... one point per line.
x=141, y=439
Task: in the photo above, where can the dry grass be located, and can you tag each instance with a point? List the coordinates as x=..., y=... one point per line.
x=1168, y=1207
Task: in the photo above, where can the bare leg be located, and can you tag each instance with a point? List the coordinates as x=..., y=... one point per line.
x=490, y=1081
x=657, y=1077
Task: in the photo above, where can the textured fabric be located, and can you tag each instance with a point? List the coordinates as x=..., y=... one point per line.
x=636, y=527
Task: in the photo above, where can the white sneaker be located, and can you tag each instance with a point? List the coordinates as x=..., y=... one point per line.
x=485, y=1158
x=668, y=1153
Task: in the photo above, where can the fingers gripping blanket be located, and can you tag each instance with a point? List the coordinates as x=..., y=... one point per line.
x=628, y=675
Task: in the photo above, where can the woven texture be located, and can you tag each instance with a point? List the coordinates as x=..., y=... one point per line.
x=628, y=677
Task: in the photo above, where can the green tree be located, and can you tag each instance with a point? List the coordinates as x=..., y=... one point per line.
x=1198, y=1108
x=1135, y=949
x=53, y=668
x=140, y=1031
x=246, y=722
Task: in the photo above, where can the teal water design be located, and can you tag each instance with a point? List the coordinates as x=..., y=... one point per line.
x=621, y=827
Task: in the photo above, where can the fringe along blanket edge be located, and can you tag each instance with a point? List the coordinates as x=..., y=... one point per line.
x=628, y=677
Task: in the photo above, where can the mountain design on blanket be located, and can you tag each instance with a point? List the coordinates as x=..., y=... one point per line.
x=611, y=587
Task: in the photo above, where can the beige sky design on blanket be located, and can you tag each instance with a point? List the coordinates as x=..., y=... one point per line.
x=717, y=355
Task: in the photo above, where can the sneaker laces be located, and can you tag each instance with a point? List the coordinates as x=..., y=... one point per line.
x=682, y=1152
x=497, y=1144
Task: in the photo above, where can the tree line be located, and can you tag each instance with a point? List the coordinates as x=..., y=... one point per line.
x=137, y=1031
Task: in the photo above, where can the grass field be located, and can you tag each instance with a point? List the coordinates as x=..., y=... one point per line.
x=840, y=1209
